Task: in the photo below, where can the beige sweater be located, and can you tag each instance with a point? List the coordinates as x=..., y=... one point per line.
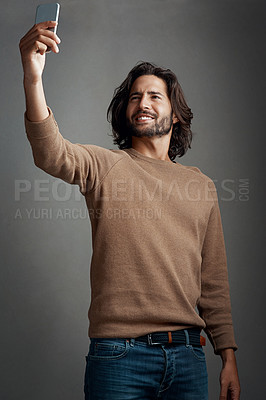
x=159, y=260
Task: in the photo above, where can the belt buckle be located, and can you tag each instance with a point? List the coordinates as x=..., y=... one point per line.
x=151, y=343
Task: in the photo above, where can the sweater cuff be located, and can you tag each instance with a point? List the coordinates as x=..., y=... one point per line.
x=41, y=129
x=224, y=340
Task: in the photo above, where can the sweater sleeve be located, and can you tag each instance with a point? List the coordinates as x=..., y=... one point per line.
x=214, y=305
x=73, y=163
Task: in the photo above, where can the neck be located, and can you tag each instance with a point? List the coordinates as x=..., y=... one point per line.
x=155, y=147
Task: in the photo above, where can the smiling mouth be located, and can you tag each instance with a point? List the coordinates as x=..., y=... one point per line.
x=144, y=118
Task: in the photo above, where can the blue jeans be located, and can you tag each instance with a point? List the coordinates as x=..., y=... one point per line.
x=127, y=369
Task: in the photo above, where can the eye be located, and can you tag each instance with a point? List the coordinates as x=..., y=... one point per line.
x=134, y=98
x=156, y=97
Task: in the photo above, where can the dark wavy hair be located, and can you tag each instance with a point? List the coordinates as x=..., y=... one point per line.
x=116, y=114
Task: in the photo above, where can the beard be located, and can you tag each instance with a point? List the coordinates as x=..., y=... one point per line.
x=159, y=128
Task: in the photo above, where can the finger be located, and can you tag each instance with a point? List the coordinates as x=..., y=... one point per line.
x=35, y=34
x=40, y=48
x=223, y=392
x=235, y=394
x=36, y=47
x=47, y=32
x=29, y=44
x=45, y=25
x=48, y=42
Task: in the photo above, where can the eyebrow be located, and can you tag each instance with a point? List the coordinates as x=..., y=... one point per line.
x=150, y=92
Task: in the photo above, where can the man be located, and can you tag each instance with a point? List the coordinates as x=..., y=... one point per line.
x=158, y=269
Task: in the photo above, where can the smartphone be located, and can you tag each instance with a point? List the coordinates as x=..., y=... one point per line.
x=48, y=12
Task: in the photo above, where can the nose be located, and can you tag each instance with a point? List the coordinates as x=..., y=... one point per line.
x=144, y=103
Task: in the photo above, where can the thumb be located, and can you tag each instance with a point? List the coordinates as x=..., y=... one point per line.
x=41, y=48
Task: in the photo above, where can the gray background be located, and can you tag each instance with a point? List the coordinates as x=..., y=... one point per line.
x=216, y=49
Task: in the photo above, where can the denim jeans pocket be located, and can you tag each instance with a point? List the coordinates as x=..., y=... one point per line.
x=108, y=349
x=197, y=352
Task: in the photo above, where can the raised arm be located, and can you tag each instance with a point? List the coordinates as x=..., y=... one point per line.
x=51, y=152
x=32, y=48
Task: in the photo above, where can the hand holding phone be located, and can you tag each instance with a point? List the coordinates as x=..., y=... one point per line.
x=33, y=47
x=40, y=38
x=48, y=12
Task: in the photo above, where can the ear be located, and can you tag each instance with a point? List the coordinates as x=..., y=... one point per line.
x=175, y=119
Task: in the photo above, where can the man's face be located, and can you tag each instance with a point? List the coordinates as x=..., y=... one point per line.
x=149, y=112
